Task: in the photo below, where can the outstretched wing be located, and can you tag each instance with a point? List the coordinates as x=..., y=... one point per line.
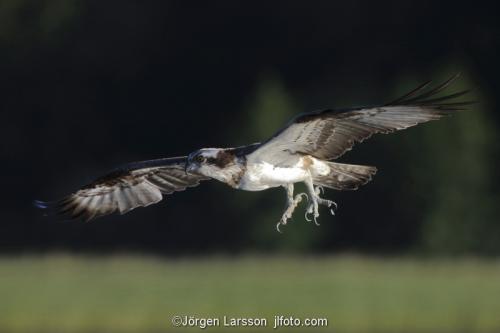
x=328, y=134
x=133, y=185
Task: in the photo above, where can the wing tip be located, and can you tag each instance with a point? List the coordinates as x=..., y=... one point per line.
x=421, y=97
x=40, y=204
x=50, y=208
x=65, y=210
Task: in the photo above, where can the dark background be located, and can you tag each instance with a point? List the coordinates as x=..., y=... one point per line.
x=87, y=85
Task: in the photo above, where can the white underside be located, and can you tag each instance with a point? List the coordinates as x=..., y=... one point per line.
x=262, y=175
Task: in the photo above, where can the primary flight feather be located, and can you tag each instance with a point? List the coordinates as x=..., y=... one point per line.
x=302, y=151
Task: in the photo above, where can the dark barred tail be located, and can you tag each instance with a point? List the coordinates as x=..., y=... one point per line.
x=345, y=176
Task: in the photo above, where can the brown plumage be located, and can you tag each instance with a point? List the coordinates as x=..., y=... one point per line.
x=302, y=151
x=133, y=185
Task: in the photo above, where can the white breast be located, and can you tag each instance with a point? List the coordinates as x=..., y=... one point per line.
x=262, y=175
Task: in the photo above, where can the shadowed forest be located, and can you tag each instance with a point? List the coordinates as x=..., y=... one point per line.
x=89, y=85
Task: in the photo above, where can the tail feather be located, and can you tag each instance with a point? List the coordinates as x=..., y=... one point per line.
x=345, y=176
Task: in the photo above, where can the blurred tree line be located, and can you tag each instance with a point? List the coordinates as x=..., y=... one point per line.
x=87, y=85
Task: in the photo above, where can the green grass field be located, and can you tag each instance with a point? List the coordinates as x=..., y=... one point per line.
x=60, y=293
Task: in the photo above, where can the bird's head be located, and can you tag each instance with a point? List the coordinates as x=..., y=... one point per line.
x=216, y=163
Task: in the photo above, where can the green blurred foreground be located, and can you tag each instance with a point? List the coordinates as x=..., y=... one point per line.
x=141, y=294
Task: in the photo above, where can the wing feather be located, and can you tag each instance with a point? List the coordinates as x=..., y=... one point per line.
x=328, y=134
x=133, y=185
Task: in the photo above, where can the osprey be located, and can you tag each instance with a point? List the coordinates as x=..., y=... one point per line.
x=302, y=151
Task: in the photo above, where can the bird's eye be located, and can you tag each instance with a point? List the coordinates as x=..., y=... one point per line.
x=200, y=159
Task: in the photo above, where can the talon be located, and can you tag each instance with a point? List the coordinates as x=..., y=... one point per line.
x=306, y=215
x=332, y=212
x=309, y=210
x=278, y=227
x=316, y=222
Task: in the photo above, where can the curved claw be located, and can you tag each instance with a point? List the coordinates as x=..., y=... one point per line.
x=316, y=222
x=333, y=207
x=306, y=215
x=278, y=227
x=303, y=194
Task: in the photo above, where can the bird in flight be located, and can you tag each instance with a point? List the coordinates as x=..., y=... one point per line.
x=302, y=151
